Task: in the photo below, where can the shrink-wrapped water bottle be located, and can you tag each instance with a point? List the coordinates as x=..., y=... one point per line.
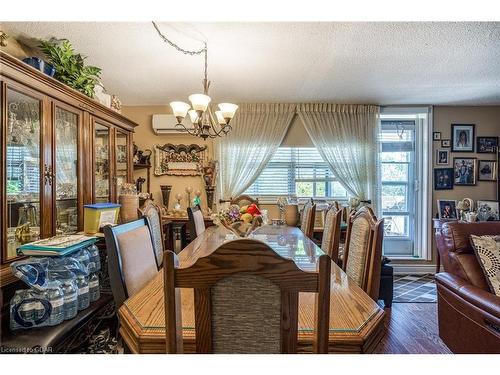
x=94, y=287
x=70, y=296
x=94, y=258
x=82, y=282
x=83, y=257
x=54, y=295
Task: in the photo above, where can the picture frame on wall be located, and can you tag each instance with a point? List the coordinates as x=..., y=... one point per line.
x=487, y=145
x=487, y=210
x=487, y=170
x=445, y=143
x=442, y=157
x=443, y=178
x=447, y=209
x=462, y=137
x=464, y=171
x=436, y=136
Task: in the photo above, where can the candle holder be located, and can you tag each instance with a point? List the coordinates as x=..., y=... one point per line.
x=189, y=190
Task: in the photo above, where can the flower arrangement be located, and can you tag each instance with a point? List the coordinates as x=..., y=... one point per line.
x=242, y=221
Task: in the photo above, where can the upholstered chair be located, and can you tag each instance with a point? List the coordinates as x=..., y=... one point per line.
x=331, y=232
x=363, y=250
x=307, y=219
x=246, y=300
x=152, y=213
x=131, y=258
x=196, y=221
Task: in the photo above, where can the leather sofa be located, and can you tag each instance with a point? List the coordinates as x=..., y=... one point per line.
x=468, y=313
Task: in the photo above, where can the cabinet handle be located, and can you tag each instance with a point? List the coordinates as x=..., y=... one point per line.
x=48, y=175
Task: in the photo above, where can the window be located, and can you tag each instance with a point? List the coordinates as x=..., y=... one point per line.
x=299, y=171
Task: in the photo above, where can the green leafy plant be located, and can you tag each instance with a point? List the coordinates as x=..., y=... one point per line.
x=70, y=66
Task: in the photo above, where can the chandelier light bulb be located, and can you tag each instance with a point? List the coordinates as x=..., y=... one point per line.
x=193, y=116
x=180, y=109
x=228, y=110
x=220, y=118
x=199, y=102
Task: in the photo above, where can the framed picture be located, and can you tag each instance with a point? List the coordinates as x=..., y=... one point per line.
x=446, y=143
x=487, y=170
x=447, y=209
x=487, y=145
x=436, y=136
x=487, y=210
x=443, y=178
x=442, y=157
x=464, y=171
x=462, y=137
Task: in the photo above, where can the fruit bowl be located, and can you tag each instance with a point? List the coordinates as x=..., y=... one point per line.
x=242, y=221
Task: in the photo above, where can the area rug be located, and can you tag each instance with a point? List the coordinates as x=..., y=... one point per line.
x=414, y=289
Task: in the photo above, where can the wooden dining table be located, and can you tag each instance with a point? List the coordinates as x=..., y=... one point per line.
x=356, y=321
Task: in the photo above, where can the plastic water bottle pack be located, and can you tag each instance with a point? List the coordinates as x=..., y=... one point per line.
x=59, y=288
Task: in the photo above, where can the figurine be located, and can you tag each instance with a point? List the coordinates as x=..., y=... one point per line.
x=197, y=199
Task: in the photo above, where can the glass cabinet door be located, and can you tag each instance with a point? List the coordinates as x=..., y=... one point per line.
x=22, y=175
x=121, y=160
x=66, y=165
x=102, y=164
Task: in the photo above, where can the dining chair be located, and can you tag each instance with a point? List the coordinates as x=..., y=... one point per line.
x=196, y=224
x=244, y=200
x=331, y=232
x=307, y=219
x=245, y=300
x=363, y=250
x=131, y=258
x=152, y=213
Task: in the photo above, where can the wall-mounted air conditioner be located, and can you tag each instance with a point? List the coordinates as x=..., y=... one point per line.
x=165, y=124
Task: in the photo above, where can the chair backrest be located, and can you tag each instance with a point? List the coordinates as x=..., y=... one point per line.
x=331, y=232
x=307, y=219
x=152, y=213
x=246, y=300
x=244, y=200
x=131, y=258
x=363, y=250
x=196, y=221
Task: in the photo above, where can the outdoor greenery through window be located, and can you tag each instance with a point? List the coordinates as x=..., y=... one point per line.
x=299, y=171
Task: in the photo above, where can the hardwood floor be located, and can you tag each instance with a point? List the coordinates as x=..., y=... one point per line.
x=412, y=328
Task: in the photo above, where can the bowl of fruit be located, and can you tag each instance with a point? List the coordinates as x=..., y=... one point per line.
x=242, y=221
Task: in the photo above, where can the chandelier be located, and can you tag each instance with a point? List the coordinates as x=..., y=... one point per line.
x=206, y=124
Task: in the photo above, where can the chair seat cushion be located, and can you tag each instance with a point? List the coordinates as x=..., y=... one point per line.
x=487, y=249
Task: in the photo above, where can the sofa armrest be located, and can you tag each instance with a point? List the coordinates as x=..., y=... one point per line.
x=478, y=297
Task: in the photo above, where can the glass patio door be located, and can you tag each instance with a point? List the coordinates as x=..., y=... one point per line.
x=398, y=180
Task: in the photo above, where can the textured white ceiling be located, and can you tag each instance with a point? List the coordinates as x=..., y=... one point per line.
x=380, y=63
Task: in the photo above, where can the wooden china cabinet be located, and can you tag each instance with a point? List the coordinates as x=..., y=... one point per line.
x=59, y=151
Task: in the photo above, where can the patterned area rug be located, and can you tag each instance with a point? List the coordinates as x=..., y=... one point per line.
x=414, y=289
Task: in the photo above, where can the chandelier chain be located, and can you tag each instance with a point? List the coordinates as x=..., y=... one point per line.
x=204, y=50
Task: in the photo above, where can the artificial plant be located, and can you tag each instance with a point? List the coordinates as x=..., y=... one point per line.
x=70, y=66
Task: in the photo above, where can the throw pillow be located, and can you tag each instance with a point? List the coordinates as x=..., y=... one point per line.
x=487, y=249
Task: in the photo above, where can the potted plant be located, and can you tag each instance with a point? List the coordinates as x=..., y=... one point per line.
x=70, y=67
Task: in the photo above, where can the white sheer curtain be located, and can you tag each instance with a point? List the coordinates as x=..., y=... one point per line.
x=346, y=136
x=258, y=130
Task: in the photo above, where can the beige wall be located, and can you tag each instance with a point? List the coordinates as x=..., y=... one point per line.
x=487, y=121
x=145, y=138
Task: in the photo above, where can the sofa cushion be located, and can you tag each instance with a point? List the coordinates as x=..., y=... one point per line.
x=487, y=249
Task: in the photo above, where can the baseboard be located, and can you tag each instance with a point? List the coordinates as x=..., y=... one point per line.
x=413, y=269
